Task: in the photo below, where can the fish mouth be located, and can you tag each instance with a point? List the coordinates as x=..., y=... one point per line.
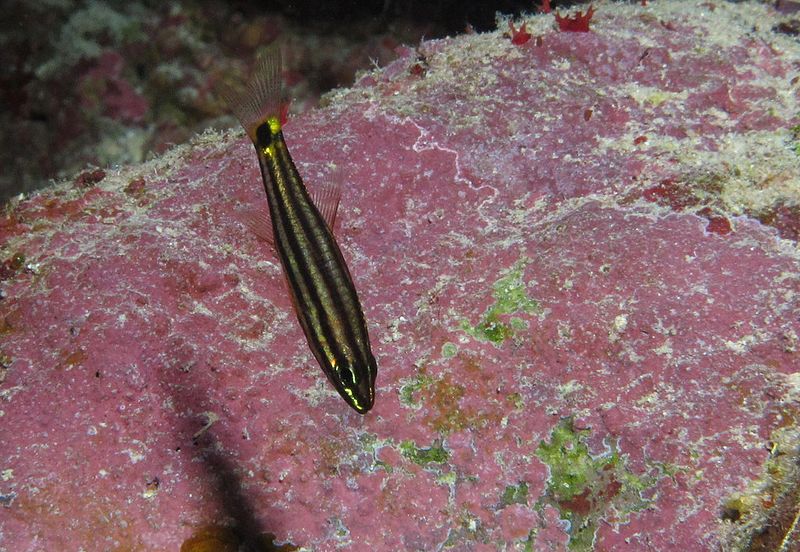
x=360, y=399
x=360, y=395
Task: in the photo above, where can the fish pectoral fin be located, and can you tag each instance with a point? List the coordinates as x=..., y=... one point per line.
x=326, y=198
x=258, y=222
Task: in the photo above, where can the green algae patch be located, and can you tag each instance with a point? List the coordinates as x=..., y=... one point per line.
x=409, y=395
x=447, y=479
x=515, y=494
x=515, y=400
x=434, y=454
x=510, y=295
x=795, y=139
x=586, y=488
x=468, y=531
x=371, y=445
x=765, y=515
x=439, y=399
x=449, y=350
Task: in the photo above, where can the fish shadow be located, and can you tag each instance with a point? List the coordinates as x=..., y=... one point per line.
x=227, y=485
x=238, y=526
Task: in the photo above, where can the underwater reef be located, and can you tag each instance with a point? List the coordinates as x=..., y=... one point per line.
x=577, y=254
x=89, y=82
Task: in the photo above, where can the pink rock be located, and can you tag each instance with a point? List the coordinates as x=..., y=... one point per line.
x=584, y=339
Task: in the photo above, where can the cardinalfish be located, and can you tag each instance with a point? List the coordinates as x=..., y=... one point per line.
x=320, y=285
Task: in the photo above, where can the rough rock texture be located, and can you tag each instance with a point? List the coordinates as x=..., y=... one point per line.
x=578, y=260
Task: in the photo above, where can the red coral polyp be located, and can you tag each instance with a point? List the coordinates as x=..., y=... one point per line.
x=90, y=178
x=519, y=36
x=578, y=23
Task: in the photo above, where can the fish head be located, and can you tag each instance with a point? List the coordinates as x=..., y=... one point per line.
x=355, y=382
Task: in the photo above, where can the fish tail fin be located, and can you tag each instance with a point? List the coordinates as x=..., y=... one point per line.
x=260, y=99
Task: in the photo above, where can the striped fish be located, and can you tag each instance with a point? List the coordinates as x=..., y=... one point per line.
x=319, y=282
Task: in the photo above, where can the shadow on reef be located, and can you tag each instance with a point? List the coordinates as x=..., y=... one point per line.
x=247, y=533
x=238, y=528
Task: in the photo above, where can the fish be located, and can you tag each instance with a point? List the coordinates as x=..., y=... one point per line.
x=320, y=285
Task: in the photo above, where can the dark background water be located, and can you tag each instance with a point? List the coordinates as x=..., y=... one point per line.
x=100, y=84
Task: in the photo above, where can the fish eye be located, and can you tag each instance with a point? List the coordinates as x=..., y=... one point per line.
x=347, y=376
x=264, y=135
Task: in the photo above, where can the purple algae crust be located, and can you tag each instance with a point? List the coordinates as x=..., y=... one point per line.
x=578, y=261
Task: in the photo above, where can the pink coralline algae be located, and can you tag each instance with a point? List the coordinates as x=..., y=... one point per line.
x=585, y=340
